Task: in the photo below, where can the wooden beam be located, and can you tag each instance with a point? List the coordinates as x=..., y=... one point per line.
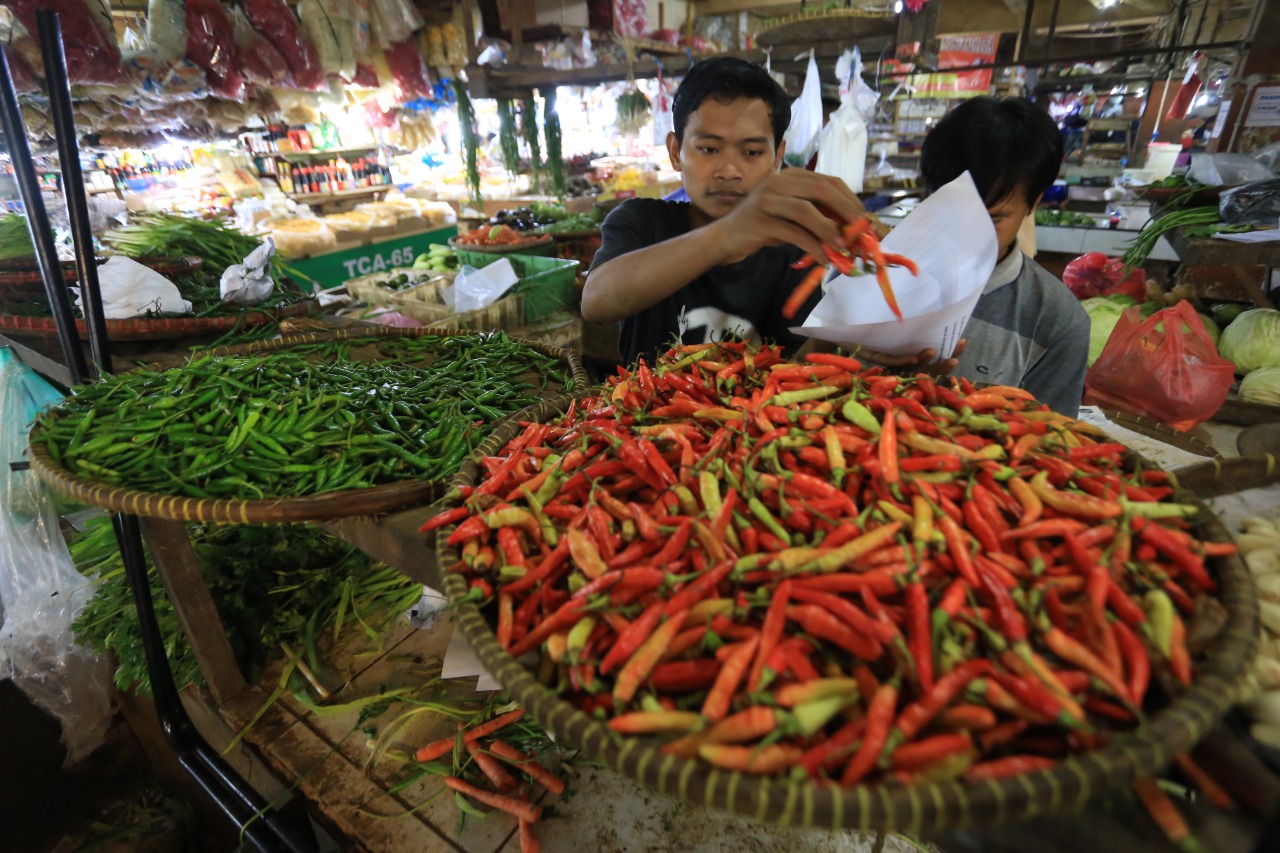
x=727, y=7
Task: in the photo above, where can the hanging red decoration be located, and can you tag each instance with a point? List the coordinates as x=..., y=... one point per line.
x=914, y=6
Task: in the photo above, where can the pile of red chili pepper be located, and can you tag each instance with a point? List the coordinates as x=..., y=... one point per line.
x=820, y=565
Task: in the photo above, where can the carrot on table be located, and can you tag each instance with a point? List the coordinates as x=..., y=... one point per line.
x=529, y=842
x=536, y=771
x=497, y=774
x=510, y=805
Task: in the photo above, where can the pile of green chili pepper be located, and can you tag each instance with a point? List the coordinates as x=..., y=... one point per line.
x=311, y=419
x=818, y=566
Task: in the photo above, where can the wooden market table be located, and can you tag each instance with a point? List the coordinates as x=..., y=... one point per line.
x=1210, y=251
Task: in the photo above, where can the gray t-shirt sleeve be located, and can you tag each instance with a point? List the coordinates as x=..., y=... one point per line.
x=1057, y=377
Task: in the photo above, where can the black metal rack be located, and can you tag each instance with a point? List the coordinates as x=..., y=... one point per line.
x=260, y=824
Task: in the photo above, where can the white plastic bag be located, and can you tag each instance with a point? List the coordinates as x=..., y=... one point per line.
x=250, y=282
x=167, y=28
x=130, y=289
x=475, y=289
x=40, y=590
x=806, y=119
x=842, y=146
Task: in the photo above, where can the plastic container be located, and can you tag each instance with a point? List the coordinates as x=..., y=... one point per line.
x=1161, y=157
x=547, y=283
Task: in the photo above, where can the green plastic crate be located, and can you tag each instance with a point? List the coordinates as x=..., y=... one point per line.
x=547, y=283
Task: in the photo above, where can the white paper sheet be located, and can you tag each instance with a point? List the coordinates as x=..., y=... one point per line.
x=950, y=237
x=1268, y=236
x=460, y=661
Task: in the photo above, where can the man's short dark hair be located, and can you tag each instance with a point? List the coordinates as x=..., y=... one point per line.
x=1008, y=145
x=726, y=78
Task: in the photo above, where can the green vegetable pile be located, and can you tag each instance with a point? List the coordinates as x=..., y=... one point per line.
x=275, y=587
x=1252, y=341
x=633, y=111
x=507, y=136
x=470, y=139
x=312, y=419
x=1104, y=313
x=571, y=224
x=529, y=132
x=1168, y=220
x=168, y=235
x=1064, y=218
x=555, y=153
x=15, y=239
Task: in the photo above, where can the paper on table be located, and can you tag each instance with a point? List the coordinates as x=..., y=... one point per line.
x=460, y=661
x=950, y=237
x=1268, y=236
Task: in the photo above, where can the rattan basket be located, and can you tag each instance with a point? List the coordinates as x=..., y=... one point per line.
x=919, y=808
x=321, y=507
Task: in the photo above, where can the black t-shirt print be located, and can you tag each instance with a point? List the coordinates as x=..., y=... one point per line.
x=737, y=301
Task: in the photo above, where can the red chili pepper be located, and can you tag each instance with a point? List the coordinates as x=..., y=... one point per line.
x=1188, y=563
x=920, y=634
x=727, y=681
x=879, y=720
x=700, y=588
x=888, y=451
x=631, y=639
x=918, y=714
x=1137, y=664
x=924, y=753
x=820, y=622
x=1010, y=765
x=685, y=676
x=568, y=613
x=848, y=613
x=958, y=549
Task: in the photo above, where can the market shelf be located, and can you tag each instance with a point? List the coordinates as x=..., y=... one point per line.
x=317, y=152
x=310, y=197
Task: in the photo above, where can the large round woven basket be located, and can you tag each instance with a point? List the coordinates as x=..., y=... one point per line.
x=321, y=507
x=20, y=277
x=156, y=328
x=806, y=28
x=920, y=808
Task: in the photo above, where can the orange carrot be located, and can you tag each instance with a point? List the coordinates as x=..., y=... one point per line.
x=1164, y=813
x=501, y=779
x=536, y=771
x=510, y=805
x=529, y=842
x=1206, y=784
x=443, y=746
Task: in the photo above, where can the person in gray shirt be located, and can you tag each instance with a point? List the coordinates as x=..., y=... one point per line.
x=1028, y=329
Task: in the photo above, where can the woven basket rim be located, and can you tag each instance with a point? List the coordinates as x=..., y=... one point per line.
x=918, y=808
x=156, y=328
x=506, y=249
x=321, y=507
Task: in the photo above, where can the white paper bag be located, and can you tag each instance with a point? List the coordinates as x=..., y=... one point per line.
x=950, y=237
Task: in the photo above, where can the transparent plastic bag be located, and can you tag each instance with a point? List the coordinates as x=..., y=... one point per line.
x=409, y=70
x=1268, y=156
x=393, y=21
x=40, y=589
x=806, y=119
x=277, y=24
x=842, y=145
x=166, y=28
x=1165, y=367
x=325, y=23
x=1226, y=170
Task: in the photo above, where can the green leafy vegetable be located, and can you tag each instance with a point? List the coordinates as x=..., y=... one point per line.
x=1064, y=218
x=169, y=235
x=555, y=154
x=1104, y=312
x=529, y=132
x=507, y=136
x=15, y=238
x=1252, y=341
x=470, y=139
x=280, y=584
x=1262, y=386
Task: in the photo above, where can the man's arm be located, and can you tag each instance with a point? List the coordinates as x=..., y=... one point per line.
x=783, y=209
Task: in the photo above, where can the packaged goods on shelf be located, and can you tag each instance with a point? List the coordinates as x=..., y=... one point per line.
x=301, y=237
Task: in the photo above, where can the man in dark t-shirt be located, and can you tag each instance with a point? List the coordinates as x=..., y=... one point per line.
x=718, y=265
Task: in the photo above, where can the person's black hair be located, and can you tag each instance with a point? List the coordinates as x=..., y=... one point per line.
x=725, y=78
x=1008, y=145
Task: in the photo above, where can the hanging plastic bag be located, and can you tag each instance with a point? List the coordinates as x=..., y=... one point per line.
x=40, y=589
x=211, y=44
x=409, y=70
x=259, y=60
x=88, y=37
x=663, y=121
x=1187, y=91
x=393, y=21
x=1226, y=170
x=360, y=30
x=1268, y=156
x=842, y=145
x=806, y=119
x=1164, y=367
x=325, y=24
x=166, y=28
x=277, y=24
x=1094, y=274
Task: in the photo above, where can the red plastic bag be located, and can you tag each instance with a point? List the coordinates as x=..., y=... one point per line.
x=260, y=63
x=277, y=23
x=87, y=35
x=211, y=44
x=1094, y=274
x=409, y=69
x=1164, y=367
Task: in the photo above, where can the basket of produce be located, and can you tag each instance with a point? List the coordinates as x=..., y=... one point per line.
x=20, y=278
x=500, y=240
x=303, y=428
x=378, y=288
x=546, y=284
x=817, y=594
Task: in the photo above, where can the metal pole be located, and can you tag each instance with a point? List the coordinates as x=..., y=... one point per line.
x=55, y=64
x=38, y=224
x=1025, y=37
x=1053, y=28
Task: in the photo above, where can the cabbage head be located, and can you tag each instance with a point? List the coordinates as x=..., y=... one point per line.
x=1215, y=334
x=1253, y=340
x=1104, y=312
x=1262, y=386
